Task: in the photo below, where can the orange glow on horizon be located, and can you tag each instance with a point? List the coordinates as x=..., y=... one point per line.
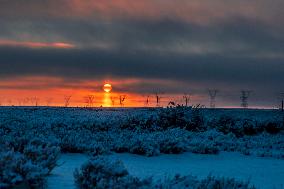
x=52, y=91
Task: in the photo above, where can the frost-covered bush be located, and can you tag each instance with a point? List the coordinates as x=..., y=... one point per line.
x=99, y=149
x=246, y=126
x=16, y=168
x=141, y=131
x=26, y=160
x=191, y=119
x=203, y=148
x=197, y=121
x=139, y=122
x=144, y=146
x=42, y=153
x=171, y=141
x=273, y=127
x=173, y=117
x=224, y=124
x=210, y=182
x=172, y=146
x=103, y=173
x=38, y=150
x=136, y=143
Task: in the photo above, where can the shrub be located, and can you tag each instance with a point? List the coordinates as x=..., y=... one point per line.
x=203, y=147
x=172, y=146
x=143, y=146
x=210, y=182
x=171, y=117
x=197, y=121
x=42, y=153
x=225, y=124
x=17, y=168
x=249, y=127
x=273, y=127
x=223, y=183
x=138, y=122
x=99, y=149
x=26, y=162
x=103, y=173
x=239, y=127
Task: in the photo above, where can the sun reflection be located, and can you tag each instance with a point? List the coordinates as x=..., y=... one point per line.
x=106, y=100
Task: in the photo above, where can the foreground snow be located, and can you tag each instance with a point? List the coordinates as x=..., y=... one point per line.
x=62, y=176
x=262, y=172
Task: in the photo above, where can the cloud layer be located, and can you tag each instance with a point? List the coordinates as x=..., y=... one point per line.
x=176, y=45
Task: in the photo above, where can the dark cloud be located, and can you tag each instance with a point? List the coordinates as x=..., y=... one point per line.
x=186, y=44
x=238, y=35
x=94, y=64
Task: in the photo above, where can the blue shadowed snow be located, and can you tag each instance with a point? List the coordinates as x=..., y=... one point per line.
x=62, y=176
x=264, y=173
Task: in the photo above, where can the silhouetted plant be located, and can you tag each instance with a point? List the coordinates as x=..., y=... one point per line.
x=197, y=121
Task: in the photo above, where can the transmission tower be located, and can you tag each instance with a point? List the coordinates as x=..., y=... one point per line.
x=244, y=98
x=212, y=94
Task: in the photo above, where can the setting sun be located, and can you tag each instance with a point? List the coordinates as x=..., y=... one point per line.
x=107, y=87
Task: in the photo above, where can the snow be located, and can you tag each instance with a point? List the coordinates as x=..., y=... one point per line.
x=264, y=173
x=62, y=176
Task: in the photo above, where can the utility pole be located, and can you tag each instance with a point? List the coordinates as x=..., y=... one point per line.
x=282, y=101
x=147, y=101
x=212, y=94
x=244, y=98
x=158, y=99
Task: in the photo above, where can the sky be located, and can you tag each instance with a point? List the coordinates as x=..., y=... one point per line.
x=50, y=49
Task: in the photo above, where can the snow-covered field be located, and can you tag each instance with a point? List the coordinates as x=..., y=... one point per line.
x=262, y=172
x=62, y=176
x=265, y=173
x=235, y=143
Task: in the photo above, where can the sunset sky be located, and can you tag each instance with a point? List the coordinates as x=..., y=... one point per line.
x=54, y=48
